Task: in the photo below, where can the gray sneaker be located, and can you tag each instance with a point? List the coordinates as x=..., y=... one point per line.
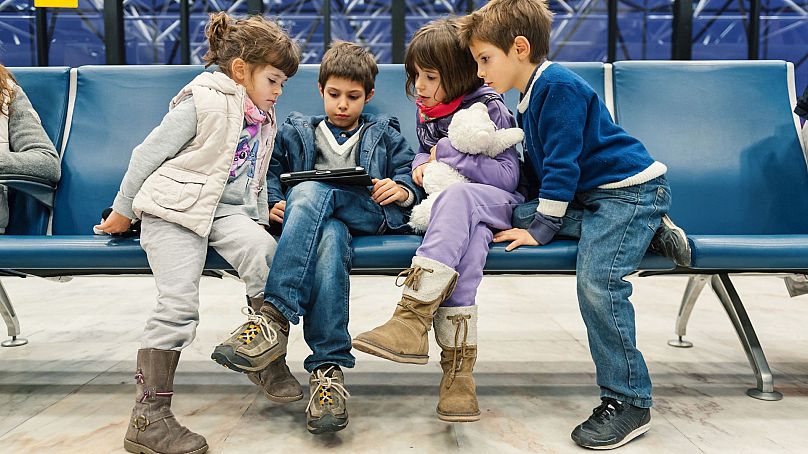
x=327, y=410
x=256, y=343
x=670, y=241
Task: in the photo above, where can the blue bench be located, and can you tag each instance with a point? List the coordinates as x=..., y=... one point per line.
x=103, y=133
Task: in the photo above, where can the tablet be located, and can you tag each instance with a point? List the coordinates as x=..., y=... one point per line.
x=353, y=176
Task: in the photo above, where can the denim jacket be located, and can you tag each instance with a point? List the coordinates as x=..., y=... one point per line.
x=383, y=152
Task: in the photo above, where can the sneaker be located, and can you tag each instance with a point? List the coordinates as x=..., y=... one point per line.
x=327, y=410
x=612, y=425
x=256, y=343
x=670, y=240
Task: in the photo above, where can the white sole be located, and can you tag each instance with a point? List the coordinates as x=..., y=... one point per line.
x=632, y=435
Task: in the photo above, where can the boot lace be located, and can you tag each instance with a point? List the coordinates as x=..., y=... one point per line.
x=256, y=322
x=606, y=410
x=325, y=386
x=459, y=320
x=412, y=277
x=149, y=393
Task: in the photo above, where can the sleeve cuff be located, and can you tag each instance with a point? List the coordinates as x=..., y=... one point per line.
x=123, y=205
x=543, y=228
x=410, y=198
x=555, y=208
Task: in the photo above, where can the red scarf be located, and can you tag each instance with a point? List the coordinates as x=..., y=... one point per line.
x=439, y=110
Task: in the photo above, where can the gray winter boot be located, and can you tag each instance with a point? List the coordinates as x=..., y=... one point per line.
x=456, y=333
x=153, y=429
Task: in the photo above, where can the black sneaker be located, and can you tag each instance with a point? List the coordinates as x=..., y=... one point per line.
x=327, y=410
x=670, y=240
x=612, y=425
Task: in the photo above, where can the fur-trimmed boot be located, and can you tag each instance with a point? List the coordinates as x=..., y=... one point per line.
x=456, y=333
x=153, y=429
x=404, y=337
x=277, y=381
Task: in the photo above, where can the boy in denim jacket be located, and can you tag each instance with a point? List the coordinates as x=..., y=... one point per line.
x=589, y=180
x=309, y=277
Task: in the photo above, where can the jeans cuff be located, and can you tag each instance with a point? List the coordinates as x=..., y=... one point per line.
x=342, y=363
x=291, y=316
x=642, y=402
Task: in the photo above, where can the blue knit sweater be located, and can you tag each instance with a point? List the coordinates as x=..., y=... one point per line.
x=572, y=144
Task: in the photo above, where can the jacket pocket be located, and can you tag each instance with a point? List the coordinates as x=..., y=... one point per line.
x=177, y=189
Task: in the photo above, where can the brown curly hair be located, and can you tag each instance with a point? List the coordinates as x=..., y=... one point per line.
x=6, y=90
x=256, y=40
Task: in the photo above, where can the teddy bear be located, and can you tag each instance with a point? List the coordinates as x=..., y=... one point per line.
x=473, y=132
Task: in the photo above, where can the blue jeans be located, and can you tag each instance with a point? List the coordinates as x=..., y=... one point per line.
x=614, y=228
x=309, y=276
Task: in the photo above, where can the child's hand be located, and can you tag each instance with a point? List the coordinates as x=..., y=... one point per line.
x=387, y=191
x=418, y=175
x=517, y=237
x=115, y=223
x=276, y=212
x=433, y=153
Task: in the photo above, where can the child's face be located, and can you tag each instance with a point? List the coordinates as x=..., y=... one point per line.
x=264, y=86
x=494, y=66
x=344, y=101
x=428, y=87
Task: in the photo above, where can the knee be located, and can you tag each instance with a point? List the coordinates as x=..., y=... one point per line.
x=456, y=195
x=307, y=193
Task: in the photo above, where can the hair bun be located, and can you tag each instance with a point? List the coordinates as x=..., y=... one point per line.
x=215, y=32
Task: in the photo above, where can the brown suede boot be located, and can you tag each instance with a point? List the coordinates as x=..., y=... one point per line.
x=153, y=429
x=456, y=333
x=404, y=337
x=277, y=381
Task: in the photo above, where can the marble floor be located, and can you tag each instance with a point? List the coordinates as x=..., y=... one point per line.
x=70, y=389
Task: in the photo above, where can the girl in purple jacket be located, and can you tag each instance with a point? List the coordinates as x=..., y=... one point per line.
x=441, y=284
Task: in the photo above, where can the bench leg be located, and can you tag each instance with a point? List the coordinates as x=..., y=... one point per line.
x=694, y=286
x=723, y=288
x=13, y=325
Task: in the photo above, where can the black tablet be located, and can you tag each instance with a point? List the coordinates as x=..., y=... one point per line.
x=354, y=176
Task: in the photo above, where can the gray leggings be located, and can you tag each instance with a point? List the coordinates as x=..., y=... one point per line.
x=177, y=256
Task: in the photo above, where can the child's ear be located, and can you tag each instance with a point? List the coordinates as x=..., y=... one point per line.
x=238, y=69
x=370, y=95
x=320, y=89
x=522, y=47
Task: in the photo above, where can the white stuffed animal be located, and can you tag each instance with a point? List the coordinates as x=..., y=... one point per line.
x=473, y=132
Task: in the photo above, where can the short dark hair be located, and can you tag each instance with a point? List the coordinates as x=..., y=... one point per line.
x=349, y=61
x=500, y=21
x=437, y=46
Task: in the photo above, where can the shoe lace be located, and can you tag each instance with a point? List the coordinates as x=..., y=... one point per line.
x=412, y=277
x=606, y=410
x=458, y=320
x=256, y=321
x=324, y=386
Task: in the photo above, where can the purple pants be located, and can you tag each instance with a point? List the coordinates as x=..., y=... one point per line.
x=460, y=229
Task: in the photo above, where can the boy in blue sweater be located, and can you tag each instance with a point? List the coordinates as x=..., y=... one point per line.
x=590, y=180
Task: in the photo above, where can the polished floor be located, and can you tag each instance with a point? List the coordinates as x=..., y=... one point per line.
x=71, y=388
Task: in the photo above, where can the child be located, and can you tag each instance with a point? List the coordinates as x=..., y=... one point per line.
x=592, y=181
x=25, y=148
x=310, y=276
x=199, y=180
x=441, y=285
